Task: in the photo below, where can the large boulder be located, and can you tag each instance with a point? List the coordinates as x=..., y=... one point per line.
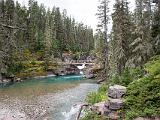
x=116, y=91
x=141, y=118
x=89, y=76
x=101, y=108
x=115, y=104
x=1, y=77
x=113, y=115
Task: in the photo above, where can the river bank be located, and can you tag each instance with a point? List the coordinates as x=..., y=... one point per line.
x=140, y=102
x=38, y=69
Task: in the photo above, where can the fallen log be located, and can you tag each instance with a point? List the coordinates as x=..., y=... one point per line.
x=100, y=81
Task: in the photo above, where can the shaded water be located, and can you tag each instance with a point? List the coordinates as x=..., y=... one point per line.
x=53, y=98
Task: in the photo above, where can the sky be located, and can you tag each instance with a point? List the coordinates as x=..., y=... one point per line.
x=82, y=10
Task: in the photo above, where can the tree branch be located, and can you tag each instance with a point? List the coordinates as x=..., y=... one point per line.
x=11, y=27
x=81, y=108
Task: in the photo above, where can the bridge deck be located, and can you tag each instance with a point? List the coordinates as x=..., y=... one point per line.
x=80, y=63
x=74, y=63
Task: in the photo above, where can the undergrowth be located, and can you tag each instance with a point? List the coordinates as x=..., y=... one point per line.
x=143, y=95
x=99, y=96
x=143, y=92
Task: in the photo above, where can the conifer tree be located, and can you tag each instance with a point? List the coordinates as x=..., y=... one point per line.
x=32, y=30
x=141, y=46
x=121, y=35
x=103, y=16
x=156, y=28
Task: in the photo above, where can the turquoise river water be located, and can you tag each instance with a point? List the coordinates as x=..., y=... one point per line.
x=52, y=98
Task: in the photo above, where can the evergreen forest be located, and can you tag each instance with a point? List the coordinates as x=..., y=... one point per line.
x=124, y=50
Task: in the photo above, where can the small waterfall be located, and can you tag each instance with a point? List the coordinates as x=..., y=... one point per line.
x=81, y=68
x=81, y=73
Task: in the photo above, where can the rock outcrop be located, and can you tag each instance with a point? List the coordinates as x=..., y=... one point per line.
x=116, y=91
x=89, y=74
x=66, y=70
x=113, y=104
x=141, y=118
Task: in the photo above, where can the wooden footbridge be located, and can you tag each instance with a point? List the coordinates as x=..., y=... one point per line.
x=80, y=62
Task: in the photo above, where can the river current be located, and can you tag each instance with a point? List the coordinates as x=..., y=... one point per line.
x=52, y=98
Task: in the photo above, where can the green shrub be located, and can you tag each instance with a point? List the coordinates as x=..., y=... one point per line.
x=15, y=67
x=94, y=116
x=143, y=98
x=143, y=95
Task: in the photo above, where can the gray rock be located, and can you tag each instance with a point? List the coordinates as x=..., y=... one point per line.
x=113, y=115
x=89, y=74
x=17, y=80
x=0, y=77
x=101, y=108
x=116, y=91
x=141, y=118
x=115, y=104
x=6, y=80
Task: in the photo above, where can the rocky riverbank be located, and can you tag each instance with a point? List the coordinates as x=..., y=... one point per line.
x=58, y=71
x=41, y=99
x=107, y=108
x=114, y=103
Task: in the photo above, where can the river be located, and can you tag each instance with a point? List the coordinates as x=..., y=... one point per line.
x=52, y=98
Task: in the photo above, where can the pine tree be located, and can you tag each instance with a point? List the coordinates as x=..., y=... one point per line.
x=141, y=46
x=48, y=32
x=156, y=28
x=2, y=37
x=39, y=33
x=121, y=35
x=103, y=16
x=8, y=44
x=59, y=31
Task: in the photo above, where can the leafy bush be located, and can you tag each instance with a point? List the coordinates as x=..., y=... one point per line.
x=100, y=95
x=143, y=96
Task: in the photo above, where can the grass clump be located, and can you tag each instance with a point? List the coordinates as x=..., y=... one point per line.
x=94, y=116
x=96, y=97
x=99, y=96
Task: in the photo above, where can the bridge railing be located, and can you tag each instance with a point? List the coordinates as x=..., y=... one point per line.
x=81, y=61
